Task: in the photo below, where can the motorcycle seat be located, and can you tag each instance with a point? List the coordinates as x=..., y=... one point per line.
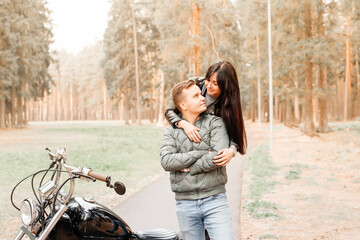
x=157, y=234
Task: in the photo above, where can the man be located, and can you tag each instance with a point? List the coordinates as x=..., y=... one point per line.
x=198, y=183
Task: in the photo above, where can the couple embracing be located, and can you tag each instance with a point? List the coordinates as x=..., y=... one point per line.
x=206, y=133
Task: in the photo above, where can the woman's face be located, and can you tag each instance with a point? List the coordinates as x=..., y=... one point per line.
x=212, y=86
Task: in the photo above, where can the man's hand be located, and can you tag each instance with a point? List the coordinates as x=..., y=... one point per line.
x=224, y=156
x=191, y=131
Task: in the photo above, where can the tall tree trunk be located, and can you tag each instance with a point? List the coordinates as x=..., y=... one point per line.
x=315, y=111
x=196, y=35
x=71, y=113
x=2, y=112
x=296, y=82
x=252, y=93
x=25, y=120
x=2, y=104
x=136, y=68
x=151, y=97
x=289, y=115
x=23, y=91
x=30, y=110
x=309, y=124
x=85, y=112
x=2, y=94
x=126, y=109
x=258, y=77
x=57, y=92
x=296, y=98
x=253, y=101
x=13, y=106
x=48, y=106
x=264, y=108
x=323, y=120
x=161, y=98
x=347, y=99
x=40, y=111
x=76, y=101
x=358, y=81
x=276, y=108
x=105, y=117
x=340, y=86
x=20, y=119
x=63, y=109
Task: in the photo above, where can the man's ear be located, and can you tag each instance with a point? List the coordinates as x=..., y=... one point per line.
x=183, y=106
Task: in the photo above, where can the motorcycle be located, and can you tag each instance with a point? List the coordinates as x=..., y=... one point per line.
x=55, y=214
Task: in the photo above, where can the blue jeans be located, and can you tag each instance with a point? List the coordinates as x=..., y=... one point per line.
x=211, y=213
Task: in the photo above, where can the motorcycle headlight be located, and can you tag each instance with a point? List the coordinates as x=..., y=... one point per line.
x=29, y=212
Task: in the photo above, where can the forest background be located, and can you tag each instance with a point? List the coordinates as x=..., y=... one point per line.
x=148, y=46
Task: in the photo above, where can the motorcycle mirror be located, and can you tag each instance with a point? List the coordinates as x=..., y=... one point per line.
x=119, y=188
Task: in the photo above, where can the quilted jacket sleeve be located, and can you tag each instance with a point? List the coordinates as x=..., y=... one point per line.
x=173, y=161
x=172, y=115
x=234, y=144
x=219, y=139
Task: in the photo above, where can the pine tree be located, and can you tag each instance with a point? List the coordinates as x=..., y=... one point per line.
x=25, y=38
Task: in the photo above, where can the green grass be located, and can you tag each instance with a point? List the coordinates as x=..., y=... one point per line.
x=268, y=236
x=261, y=169
x=254, y=206
x=295, y=171
x=260, y=186
x=346, y=126
x=293, y=174
x=262, y=209
x=126, y=153
x=265, y=215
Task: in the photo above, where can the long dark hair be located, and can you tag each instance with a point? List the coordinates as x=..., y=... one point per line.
x=228, y=106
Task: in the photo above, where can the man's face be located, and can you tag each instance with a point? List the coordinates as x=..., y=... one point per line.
x=193, y=101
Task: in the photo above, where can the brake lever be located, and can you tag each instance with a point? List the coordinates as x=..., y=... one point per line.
x=85, y=176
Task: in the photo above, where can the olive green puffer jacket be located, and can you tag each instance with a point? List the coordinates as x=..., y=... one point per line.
x=178, y=152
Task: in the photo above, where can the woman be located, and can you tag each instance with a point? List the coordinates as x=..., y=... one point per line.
x=221, y=90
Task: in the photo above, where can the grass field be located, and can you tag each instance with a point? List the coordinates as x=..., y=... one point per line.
x=261, y=169
x=126, y=153
x=305, y=187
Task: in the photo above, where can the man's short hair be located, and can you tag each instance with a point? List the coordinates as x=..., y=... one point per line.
x=177, y=91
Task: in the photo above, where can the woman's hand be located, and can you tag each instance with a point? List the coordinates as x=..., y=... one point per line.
x=224, y=156
x=191, y=131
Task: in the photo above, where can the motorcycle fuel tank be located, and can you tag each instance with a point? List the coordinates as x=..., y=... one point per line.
x=87, y=219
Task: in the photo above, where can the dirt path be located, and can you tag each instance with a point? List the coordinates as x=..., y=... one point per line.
x=316, y=194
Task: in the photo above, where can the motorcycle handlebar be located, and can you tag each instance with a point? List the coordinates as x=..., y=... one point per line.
x=99, y=176
x=89, y=172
